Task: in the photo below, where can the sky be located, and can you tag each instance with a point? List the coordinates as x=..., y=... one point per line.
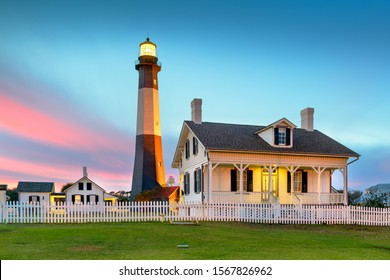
x=68, y=86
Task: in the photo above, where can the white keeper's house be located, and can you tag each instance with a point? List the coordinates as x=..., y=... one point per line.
x=276, y=163
x=85, y=191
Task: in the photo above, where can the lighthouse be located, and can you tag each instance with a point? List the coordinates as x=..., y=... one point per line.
x=148, y=163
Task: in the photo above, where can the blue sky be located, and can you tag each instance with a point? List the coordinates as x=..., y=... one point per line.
x=68, y=87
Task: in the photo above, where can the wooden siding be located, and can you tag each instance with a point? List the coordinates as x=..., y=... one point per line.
x=190, y=164
x=43, y=196
x=267, y=135
x=74, y=190
x=278, y=159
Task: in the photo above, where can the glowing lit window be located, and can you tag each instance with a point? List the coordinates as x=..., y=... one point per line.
x=298, y=181
x=77, y=199
x=247, y=180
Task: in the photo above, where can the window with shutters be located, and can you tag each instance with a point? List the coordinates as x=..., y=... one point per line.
x=194, y=146
x=92, y=199
x=89, y=186
x=186, y=183
x=77, y=199
x=198, y=180
x=247, y=180
x=187, y=151
x=33, y=199
x=282, y=136
x=81, y=186
x=299, y=181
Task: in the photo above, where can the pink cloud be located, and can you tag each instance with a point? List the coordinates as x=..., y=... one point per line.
x=33, y=169
x=35, y=125
x=59, y=174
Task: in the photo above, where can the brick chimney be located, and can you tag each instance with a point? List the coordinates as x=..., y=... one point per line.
x=196, y=110
x=85, y=174
x=307, y=119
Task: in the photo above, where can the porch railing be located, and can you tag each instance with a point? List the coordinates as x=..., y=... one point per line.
x=244, y=197
x=322, y=198
x=266, y=197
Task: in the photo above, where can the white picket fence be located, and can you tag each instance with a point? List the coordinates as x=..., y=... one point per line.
x=14, y=212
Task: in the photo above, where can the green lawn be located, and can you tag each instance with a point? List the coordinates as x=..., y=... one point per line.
x=207, y=241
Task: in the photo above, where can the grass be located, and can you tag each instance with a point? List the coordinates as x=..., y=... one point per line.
x=207, y=241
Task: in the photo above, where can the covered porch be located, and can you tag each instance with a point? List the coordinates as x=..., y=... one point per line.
x=266, y=197
x=299, y=184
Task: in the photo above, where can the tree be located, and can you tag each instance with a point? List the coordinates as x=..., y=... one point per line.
x=122, y=195
x=66, y=186
x=150, y=195
x=354, y=197
x=375, y=198
x=171, y=181
x=13, y=195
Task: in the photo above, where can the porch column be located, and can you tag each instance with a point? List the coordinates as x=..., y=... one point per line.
x=292, y=169
x=241, y=169
x=210, y=181
x=270, y=170
x=346, y=186
x=319, y=171
x=344, y=171
x=210, y=169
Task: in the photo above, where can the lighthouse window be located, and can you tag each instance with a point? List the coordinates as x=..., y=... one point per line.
x=148, y=49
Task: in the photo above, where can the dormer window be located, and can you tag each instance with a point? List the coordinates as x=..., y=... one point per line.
x=278, y=134
x=282, y=136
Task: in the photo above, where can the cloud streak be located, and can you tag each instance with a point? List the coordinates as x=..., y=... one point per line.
x=44, y=137
x=31, y=123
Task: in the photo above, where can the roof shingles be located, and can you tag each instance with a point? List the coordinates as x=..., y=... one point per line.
x=35, y=187
x=219, y=136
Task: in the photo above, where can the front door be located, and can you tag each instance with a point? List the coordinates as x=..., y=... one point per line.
x=265, y=184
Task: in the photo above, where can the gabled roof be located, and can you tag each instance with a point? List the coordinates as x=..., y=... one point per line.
x=168, y=191
x=35, y=187
x=81, y=179
x=237, y=137
x=277, y=123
